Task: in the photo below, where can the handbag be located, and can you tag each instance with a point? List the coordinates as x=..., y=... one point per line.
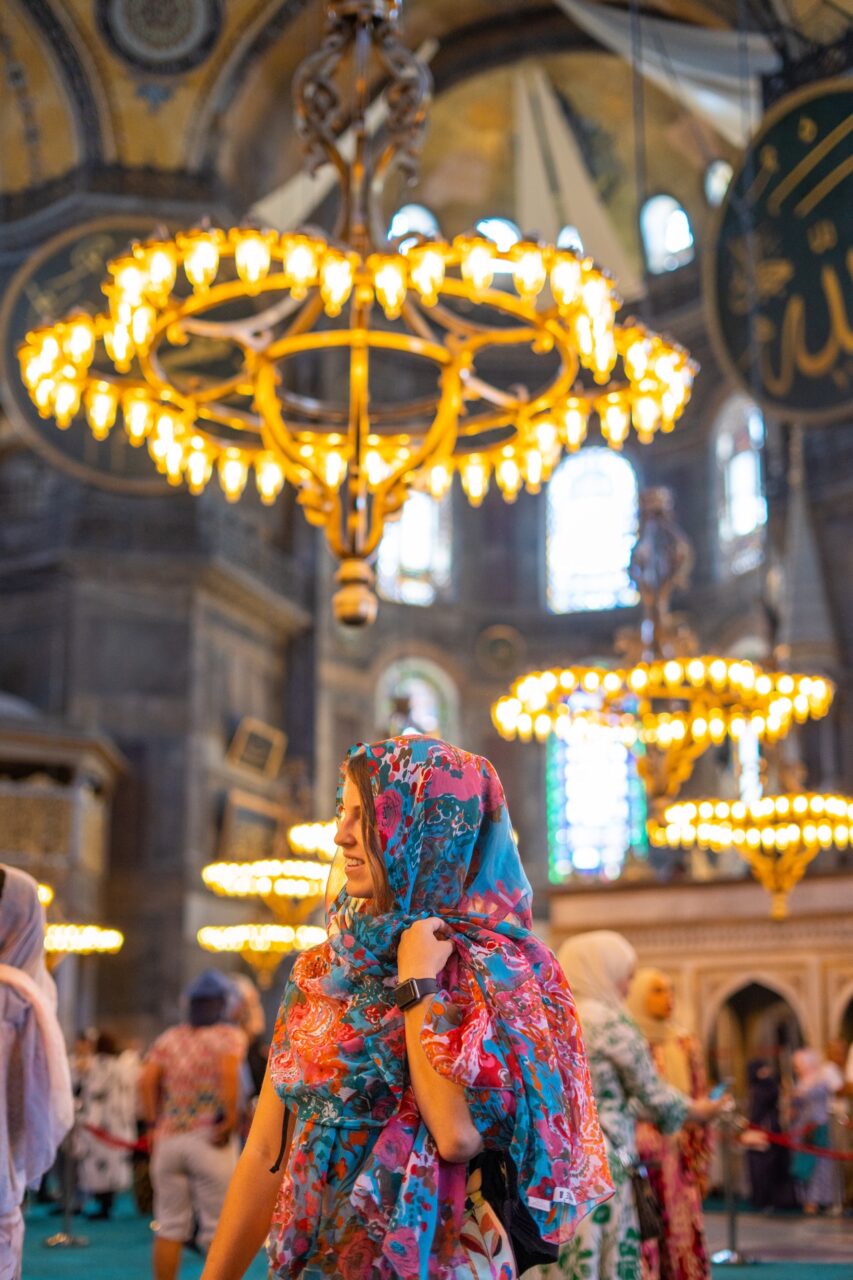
x=649, y=1214
x=500, y=1189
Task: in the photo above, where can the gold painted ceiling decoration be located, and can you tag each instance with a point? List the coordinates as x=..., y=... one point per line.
x=424, y=338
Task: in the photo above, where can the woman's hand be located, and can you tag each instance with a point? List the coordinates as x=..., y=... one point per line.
x=704, y=1110
x=423, y=950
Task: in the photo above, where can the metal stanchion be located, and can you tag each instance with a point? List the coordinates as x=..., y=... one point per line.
x=730, y=1256
x=66, y=1239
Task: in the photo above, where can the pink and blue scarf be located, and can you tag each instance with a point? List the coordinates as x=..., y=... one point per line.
x=366, y=1195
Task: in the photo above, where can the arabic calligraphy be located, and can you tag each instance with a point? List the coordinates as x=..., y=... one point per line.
x=781, y=291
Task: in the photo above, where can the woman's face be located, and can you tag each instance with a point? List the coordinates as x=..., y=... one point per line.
x=350, y=837
x=660, y=998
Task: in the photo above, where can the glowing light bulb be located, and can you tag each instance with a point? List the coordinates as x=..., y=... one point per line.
x=233, y=473
x=646, y=415
x=574, y=426
x=529, y=272
x=426, y=272
x=565, y=280
x=66, y=402
x=252, y=256
x=389, y=281
x=198, y=468
x=269, y=479
x=131, y=279
x=335, y=468
x=162, y=267
x=142, y=325
x=533, y=470
x=201, y=259
x=79, y=340
x=637, y=359
x=119, y=345
x=300, y=265
x=138, y=417
x=508, y=476
x=478, y=265
x=101, y=408
x=440, y=479
x=615, y=423
x=337, y=275
x=474, y=472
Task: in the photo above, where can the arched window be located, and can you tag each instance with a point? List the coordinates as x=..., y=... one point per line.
x=412, y=222
x=718, y=175
x=570, y=238
x=413, y=565
x=596, y=803
x=591, y=530
x=667, y=234
x=416, y=695
x=741, y=505
x=501, y=231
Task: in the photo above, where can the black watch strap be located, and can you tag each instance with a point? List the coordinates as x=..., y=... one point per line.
x=413, y=990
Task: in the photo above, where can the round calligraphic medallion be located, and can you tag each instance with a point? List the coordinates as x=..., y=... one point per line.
x=778, y=283
x=64, y=274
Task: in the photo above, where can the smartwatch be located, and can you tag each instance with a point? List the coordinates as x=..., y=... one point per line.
x=409, y=993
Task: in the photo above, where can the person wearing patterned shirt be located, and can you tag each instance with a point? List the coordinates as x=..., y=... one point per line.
x=189, y=1088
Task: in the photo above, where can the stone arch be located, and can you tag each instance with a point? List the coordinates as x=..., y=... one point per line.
x=840, y=1005
x=772, y=982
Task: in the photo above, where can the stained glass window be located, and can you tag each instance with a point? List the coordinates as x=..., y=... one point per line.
x=592, y=526
x=667, y=234
x=596, y=803
x=742, y=507
x=414, y=561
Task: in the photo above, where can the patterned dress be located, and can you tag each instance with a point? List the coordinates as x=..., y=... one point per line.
x=678, y=1170
x=365, y=1195
x=607, y=1243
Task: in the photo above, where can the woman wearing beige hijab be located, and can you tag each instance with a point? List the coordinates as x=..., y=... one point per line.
x=600, y=966
x=677, y=1163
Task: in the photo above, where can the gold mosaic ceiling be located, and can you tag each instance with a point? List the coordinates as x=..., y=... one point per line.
x=203, y=88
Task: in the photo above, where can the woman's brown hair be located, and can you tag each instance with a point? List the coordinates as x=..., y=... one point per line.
x=382, y=900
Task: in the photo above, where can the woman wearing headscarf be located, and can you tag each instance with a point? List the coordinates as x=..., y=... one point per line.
x=813, y=1175
x=677, y=1163
x=426, y=1053
x=599, y=967
x=36, y=1102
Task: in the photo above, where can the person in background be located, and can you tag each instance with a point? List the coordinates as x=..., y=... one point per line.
x=36, y=1102
x=107, y=1128
x=677, y=1163
x=189, y=1087
x=248, y=1014
x=600, y=966
x=810, y=1102
x=767, y=1165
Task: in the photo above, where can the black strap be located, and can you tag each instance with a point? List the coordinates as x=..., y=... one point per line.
x=2, y=880
x=283, y=1146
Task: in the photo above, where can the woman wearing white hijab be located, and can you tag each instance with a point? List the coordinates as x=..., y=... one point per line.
x=599, y=967
x=677, y=1163
x=36, y=1102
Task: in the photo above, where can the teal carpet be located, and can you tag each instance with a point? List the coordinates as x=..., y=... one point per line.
x=121, y=1249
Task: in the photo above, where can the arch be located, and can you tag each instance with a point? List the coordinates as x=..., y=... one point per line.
x=770, y=1023
x=842, y=1011
x=762, y=978
x=738, y=436
x=592, y=517
x=666, y=233
x=428, y=689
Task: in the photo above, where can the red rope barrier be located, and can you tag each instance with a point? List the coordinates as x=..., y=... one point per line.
x=783, y=1140
x=110, y=1139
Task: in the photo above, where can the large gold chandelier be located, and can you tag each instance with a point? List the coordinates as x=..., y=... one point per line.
x=212, y=342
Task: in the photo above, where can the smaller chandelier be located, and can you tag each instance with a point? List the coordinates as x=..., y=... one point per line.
x=81, y=940
x=317, y=838
x=441, y=357
x=281, y=884
x=261, y=945
x=778, y=835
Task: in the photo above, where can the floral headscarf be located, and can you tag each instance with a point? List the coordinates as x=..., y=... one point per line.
x=365, y=1193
